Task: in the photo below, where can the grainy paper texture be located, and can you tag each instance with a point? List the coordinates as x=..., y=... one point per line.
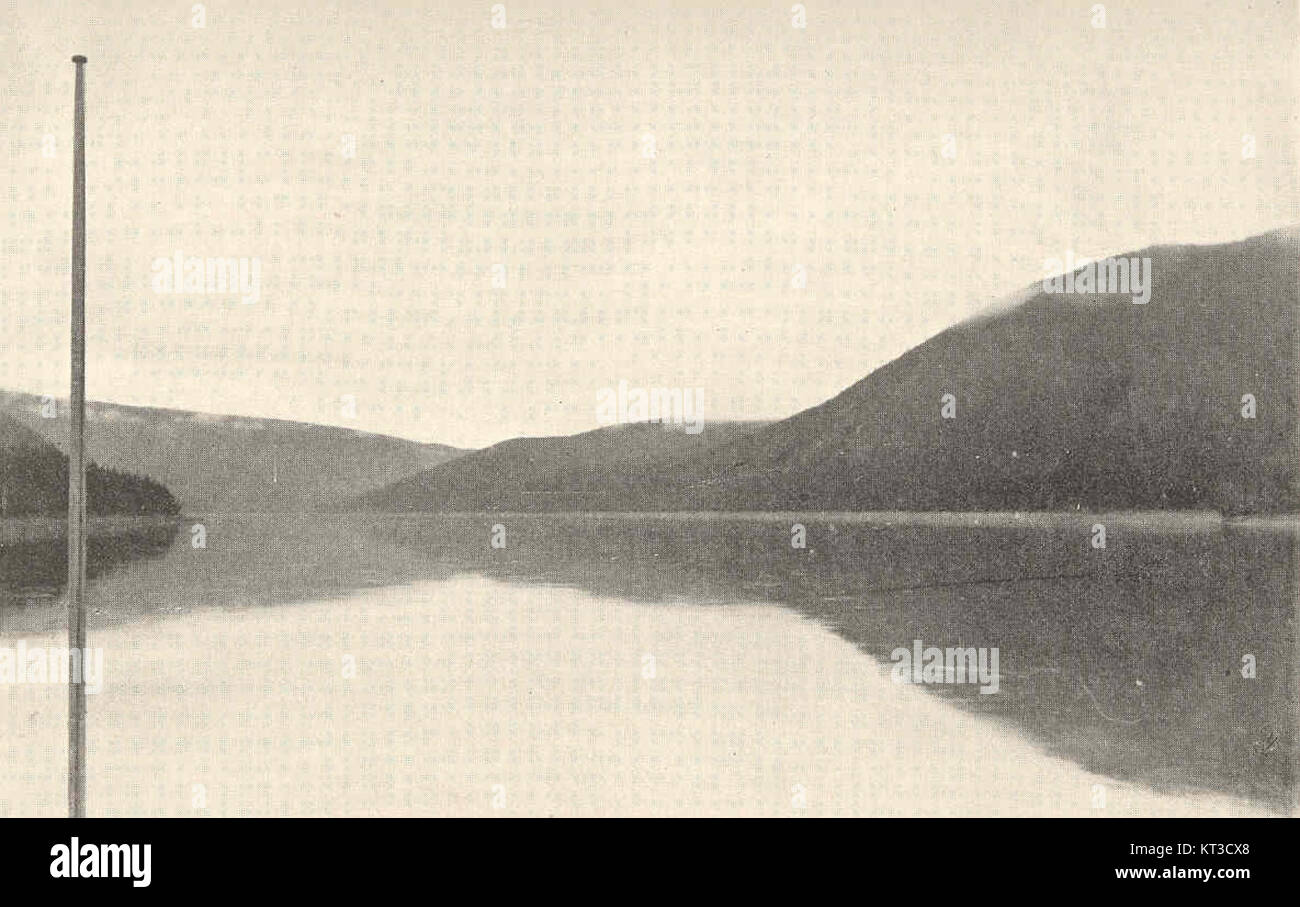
x=656, y=409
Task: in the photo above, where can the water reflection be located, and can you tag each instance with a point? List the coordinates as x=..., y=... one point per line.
x=247, y=561
x=34, y=574
x=1126, y=660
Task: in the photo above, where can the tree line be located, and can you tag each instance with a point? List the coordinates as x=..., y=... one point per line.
x=35, y=483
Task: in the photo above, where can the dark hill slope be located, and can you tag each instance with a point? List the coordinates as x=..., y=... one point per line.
x=1061, y=401
x=607, y=469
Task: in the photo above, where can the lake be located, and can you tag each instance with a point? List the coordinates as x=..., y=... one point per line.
x=665, y=664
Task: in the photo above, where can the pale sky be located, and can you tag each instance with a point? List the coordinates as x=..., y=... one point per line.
x=918, y=160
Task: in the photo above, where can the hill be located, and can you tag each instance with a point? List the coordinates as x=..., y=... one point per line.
x=1054, y=401
x=1059, y=401
x=34, y=481
x=602, y=469
x=218, y=463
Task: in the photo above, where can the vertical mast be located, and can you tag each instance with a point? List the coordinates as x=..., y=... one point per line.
x=77, y=467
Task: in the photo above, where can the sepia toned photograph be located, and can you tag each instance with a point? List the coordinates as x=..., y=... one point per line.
x=868, y=409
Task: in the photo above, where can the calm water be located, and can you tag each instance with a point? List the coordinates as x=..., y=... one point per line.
x=1123, y=662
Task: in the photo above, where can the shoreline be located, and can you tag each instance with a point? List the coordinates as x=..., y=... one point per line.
x=28, y=529
x=1155, y=520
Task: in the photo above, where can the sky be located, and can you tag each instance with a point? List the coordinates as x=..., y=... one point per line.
x=465, y=233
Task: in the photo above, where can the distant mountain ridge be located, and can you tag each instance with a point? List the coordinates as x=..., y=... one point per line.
x=216, y=463
x=1057, y=401
x=601, y=469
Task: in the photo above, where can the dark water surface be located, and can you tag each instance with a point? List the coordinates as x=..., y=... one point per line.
x=1126, y=660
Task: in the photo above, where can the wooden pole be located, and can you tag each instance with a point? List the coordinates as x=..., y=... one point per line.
x=77, y=467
